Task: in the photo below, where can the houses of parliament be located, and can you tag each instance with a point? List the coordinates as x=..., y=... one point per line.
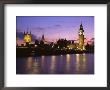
x=80, y=46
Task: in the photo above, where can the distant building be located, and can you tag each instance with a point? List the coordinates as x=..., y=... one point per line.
x=71, y=44
x=81, y=45
x=27, y=38
x=71, y=41
x=43, y=38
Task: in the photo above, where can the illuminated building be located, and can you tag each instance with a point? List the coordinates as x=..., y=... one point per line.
x=27, y=38
x=81, y=45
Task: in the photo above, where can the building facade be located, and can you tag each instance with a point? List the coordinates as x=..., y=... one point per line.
x=27, y=38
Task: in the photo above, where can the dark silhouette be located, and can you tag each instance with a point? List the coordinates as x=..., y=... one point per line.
x=58, y=48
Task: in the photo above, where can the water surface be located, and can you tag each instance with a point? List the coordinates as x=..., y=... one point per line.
x=60, y=64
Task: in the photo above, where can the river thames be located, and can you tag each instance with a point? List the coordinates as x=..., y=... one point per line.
x=59, y=64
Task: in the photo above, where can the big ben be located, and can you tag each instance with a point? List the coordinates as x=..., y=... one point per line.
x=81, y=38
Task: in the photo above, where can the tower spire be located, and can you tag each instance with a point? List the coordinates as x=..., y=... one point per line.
x=27, y=30
x=81, y=23
x=81, y=27
x=30, y=32
x=24, y=32
x=43, y=36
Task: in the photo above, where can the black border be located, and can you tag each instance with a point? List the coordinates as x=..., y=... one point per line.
x=2, y=49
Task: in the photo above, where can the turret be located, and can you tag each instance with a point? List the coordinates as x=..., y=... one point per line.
x=81, y=27
x=43, y=37
x=30, y=32
x=24, y=32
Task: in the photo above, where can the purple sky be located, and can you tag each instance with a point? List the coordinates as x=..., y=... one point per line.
x=55, y=27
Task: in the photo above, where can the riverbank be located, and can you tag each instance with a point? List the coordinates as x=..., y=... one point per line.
x=24, y=52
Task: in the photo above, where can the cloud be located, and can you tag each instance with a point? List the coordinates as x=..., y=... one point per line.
x=19, y=35
x=57, y=25
x=54, y=26
x=43, y=29
x=38, y=28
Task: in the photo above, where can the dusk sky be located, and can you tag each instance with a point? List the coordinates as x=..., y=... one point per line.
x=55, y=27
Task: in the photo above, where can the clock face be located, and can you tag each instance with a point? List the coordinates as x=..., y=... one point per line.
x=80, y=33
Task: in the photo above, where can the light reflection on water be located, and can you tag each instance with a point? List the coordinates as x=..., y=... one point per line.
x=68, y=64
x=53, y=65
x=61, y=64
x=81, y=63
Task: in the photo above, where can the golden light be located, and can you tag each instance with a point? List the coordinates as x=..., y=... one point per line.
x=68, y=64
x=35, y=45
x=77, y=62
x=29, y=63
x=27, y=38
x=53, y=64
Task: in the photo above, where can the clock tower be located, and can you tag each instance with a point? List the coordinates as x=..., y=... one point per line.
x=81, y=38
